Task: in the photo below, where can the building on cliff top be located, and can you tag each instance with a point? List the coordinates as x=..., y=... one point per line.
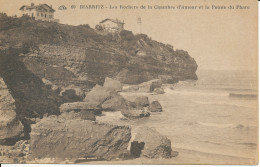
x=42, y=12
x=111, y=25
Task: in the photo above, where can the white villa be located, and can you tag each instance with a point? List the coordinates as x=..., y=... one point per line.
x=42, y=12
x=111, y=25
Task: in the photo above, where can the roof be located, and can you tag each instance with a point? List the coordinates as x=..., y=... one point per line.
x=113, y=20
x=44, y=6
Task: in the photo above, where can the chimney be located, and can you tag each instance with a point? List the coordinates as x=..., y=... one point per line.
x=32, y=4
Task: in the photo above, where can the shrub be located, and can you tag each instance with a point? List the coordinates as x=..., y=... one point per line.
x=127, y=35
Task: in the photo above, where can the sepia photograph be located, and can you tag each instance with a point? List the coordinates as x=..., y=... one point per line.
x=158, y=82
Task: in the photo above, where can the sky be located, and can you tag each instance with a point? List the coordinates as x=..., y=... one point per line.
x=218, y=39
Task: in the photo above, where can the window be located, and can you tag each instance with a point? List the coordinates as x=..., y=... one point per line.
x=51, y=16
x=41, y=15
x=45, y=15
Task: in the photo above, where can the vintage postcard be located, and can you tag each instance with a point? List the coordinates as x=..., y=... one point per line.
x=129, y=82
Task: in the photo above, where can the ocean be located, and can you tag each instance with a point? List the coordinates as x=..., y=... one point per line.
x=217, y=114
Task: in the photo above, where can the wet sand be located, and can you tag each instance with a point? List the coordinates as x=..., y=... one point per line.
x=188, y=157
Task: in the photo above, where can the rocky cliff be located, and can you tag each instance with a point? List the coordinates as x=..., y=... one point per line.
x=80, y=55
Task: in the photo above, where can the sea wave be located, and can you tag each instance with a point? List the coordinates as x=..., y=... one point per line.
x=225, y=103
x=243, y=95
x=222, y=126
x=195, y=93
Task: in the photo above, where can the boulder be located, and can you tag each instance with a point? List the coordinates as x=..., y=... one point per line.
x=10, y=126
x=115, y=103
x=158, y=91
x=135, y=113
x=56, y=137
x=145, y=87
x=149, y=86
x=155, y=106
x=112, y=85
x=80, y=106
x=141, y=101
x=83, y=114
x=97, y=95
x=149, y=143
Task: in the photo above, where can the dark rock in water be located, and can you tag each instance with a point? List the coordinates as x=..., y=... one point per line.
x=10, y=126
x=155, y=106
x=135, y=113
x=112, y=85
x=141, y=101
x=158, y=91
x=115, y=103
x=149, y=86
x=97, y=95
x=155, y=145
x=56, y=137
x=79, y=106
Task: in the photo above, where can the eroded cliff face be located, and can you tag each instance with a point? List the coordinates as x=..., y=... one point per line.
x=87, y=66
x=80, y=55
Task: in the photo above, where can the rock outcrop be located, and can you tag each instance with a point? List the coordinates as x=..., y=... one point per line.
x=149, y=143
x=11, y=127
x=57, y=137
x=79, y=106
